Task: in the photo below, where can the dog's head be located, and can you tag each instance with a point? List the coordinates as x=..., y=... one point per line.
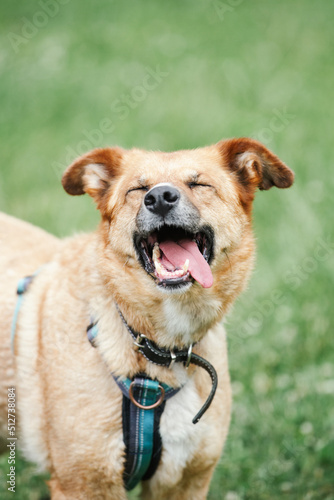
x=177, y=221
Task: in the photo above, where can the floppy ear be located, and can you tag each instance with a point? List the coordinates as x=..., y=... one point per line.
x=93, y=172
x=254, y=165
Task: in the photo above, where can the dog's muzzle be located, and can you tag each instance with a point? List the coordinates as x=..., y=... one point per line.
x=172, y=243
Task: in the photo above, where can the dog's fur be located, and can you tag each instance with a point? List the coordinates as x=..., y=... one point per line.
x=69, y=405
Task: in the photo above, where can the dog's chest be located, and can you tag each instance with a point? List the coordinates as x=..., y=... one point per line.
x=180, y=437
x=179, y=321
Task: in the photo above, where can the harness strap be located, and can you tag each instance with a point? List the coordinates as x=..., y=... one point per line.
x=125, y=383
x=141, y=434
x=143, y=403
x=127, y=408
x=22, y=287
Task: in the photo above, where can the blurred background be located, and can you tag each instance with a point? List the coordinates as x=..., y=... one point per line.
x=169, y=75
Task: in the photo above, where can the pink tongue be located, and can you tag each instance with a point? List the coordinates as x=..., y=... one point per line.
x=178, y=252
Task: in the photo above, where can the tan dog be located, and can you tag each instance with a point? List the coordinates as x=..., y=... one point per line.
x=173, y=250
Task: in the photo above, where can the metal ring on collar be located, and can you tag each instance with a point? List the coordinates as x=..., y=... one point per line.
x=173, y=358
x=150, y=407
x=139, y=340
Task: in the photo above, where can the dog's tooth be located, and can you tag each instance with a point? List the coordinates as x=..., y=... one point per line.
x=159, y=268
x=156, y=254
x=185, y=267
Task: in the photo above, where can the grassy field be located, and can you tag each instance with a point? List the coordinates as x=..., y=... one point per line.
x=73, y=77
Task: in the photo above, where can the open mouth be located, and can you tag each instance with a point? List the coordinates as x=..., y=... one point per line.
x=175, y=257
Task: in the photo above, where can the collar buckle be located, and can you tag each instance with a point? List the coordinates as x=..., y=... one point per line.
x=190, y=351
x=139, y=340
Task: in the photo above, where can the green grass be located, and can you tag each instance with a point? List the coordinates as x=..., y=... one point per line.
x=229, y=70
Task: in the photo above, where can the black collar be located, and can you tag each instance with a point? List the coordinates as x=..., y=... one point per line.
x=165, y=357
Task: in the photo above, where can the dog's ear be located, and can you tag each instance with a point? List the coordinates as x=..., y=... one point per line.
x=254, y=165
x=93, y=172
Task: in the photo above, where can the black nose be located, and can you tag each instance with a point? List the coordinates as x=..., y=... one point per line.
x=161, y=199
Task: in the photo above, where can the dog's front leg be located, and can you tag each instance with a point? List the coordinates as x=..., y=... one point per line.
x=56, y=492
x=194, y=485
x=88, y=492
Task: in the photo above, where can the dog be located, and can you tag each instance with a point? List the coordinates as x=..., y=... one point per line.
x=173, y=250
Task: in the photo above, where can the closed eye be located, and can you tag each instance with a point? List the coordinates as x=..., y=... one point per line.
x=139, y=188
x=193, y=185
